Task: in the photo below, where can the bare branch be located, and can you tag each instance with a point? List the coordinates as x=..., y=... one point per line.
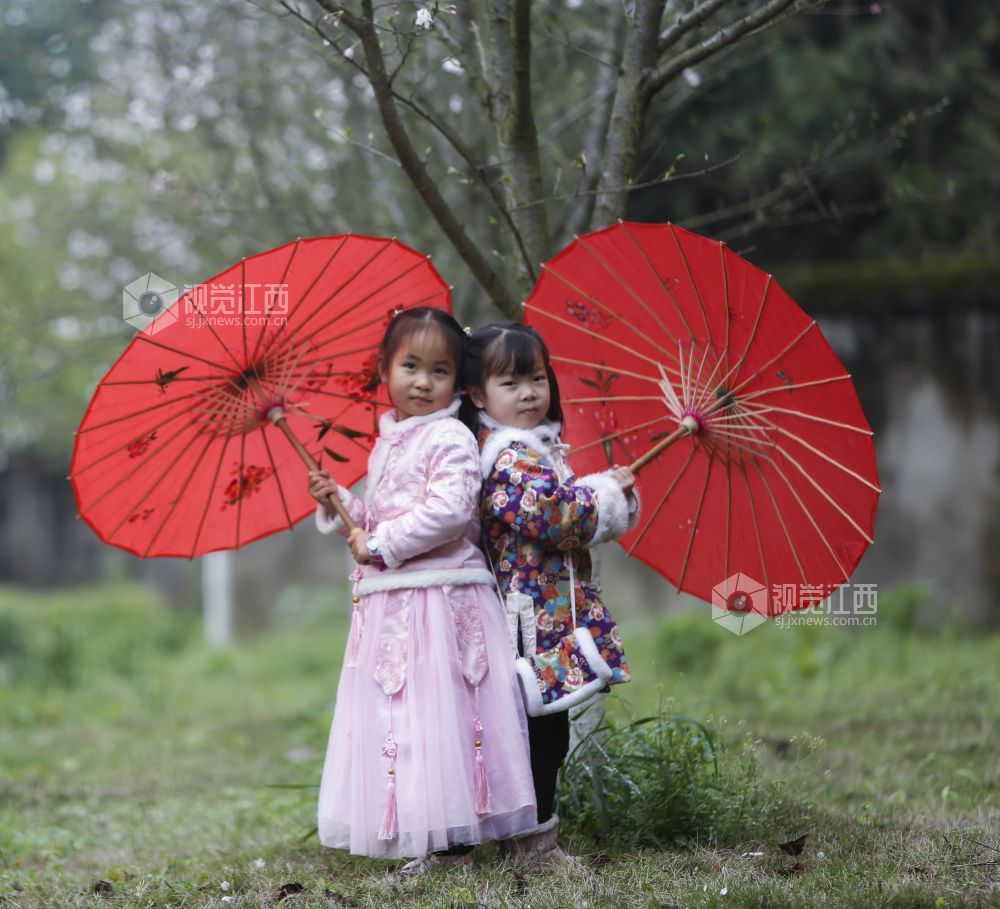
x=683, y=24
x=364, y=27
x=730, y=34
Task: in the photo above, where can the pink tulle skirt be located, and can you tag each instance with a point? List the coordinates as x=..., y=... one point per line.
x=417, y=673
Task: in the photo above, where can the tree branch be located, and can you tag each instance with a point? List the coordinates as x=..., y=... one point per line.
x=364, y=27
x=654, y=80
x=683, y=24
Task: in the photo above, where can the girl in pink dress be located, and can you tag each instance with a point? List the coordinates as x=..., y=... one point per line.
x=428, y=748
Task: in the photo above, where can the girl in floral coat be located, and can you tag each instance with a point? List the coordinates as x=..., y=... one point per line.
x=539, y=524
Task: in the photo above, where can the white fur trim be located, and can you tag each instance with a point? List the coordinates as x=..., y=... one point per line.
x=612, y=507
x=529, y=687
x=428, y=577
x=388, y=425
x=634, y=507
x=502, y=438
x=326, y=524
x=533, y=704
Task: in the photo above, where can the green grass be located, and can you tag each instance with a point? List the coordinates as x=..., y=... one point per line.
x=132, y=754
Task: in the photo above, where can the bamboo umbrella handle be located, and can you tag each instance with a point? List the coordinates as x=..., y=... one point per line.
x=332, y=499
x=688, y=426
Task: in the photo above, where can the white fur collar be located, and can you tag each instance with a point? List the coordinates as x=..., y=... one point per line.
x=541, y=438
x=388, y=425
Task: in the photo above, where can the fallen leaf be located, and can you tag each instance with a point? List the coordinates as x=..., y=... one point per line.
x=284, y=890
x=338, y=899
x=794, y=847
x=103, y=888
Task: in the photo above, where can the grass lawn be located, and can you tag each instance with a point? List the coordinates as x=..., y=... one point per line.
x=132, y=755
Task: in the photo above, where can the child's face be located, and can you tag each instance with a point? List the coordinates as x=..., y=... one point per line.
x=521, y=401
x=421, y=377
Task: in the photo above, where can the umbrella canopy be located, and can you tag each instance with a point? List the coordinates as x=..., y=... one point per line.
x=190, y=443
x=766, y=463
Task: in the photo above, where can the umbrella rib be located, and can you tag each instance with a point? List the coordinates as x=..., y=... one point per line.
x=182, y=353
x=300, y=327
x=635, y=296
x=379, y=290
x=243, y=309
x=662, y=283
x=176, y=501
x=548, y=268
x=662, y=501
x=277, y=475
x=623, y=372
x=808, y=514
x=139, y=413
x=142, y=463
x=793, y=387
x=319, y=345
x=829, y=459
x=148, y=492
x=697, y=518
x=756, y=530
x=239, y=488
x=697, y=293
x=281, y=283
x=725, y=285
x=825, y=494
x=115, y=451
x=211, y=490
x=775, y=358
x=618, y=398
x=753, y=331
x=301, y=300
x=768, y=408
x=592, y=334
x=669, y=396
x=207, y=322
x=781, y=519
x=620, y=433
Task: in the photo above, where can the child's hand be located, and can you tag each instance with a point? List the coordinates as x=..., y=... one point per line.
x=321, y=485
x=625, y=478
x=358, y=541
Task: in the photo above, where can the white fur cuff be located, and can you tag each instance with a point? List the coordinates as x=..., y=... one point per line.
x=612, y=507
x=326, y=524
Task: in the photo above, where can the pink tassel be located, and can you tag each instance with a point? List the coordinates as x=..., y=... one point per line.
x=389, y=826
x=482, y=783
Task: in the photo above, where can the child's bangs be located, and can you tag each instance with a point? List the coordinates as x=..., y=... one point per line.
x=514, y=352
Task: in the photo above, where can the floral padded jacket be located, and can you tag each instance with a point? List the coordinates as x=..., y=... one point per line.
x=538, y=526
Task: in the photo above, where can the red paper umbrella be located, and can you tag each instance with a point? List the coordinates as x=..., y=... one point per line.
x=191, y=442
x=763, y=463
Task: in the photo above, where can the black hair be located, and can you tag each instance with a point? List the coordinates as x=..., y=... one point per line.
x=503, y=347
x=409, y=322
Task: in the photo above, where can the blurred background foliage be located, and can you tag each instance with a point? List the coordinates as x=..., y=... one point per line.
x=175, y=138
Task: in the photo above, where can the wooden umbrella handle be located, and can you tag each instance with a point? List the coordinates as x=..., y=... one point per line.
x=332, y=499
x=688, y=426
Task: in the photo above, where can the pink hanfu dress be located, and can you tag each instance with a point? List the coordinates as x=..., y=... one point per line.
x=428, y=747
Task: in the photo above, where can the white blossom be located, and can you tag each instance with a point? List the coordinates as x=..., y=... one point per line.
x=425, y=18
